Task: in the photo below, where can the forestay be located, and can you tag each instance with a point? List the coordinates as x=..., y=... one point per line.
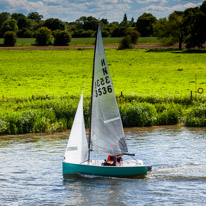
x=77, y=147
x=107, y=133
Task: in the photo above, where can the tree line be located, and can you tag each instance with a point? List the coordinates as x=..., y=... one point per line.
x=187, y=26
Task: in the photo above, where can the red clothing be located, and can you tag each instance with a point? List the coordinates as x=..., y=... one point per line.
x=112, y=158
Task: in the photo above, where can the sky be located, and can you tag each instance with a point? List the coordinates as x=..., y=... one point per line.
x=112, y=10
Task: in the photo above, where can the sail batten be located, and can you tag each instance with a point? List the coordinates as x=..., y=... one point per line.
x=107, y=134
x=105, y=85
x=111, y=120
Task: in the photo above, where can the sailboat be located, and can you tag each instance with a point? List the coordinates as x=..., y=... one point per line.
x=106, y=134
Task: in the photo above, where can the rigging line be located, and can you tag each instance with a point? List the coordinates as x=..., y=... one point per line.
x=91, y=104
x=134, y=158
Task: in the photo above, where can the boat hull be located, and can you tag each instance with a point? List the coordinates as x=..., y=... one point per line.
x=112, y=171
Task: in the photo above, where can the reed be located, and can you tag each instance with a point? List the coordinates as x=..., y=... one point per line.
x=168, y=114
x=196, y=117
x=138, y=115
x=18, y=116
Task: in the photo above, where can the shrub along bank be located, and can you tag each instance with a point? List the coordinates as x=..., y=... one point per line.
x=49, y=115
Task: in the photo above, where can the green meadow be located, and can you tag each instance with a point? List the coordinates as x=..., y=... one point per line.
x=40, y=89
x=57, y=73
x=86, y=41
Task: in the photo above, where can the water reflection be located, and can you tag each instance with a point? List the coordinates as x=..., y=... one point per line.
x=99, y=190
x=31, y=173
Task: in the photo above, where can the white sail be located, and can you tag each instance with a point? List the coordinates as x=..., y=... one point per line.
x=107, y=133
x=77, y=147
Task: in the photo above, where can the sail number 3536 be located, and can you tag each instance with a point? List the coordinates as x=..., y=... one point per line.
x=103, y=85
x=103, y=90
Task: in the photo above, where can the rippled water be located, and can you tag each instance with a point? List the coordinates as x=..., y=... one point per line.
x=31, y=171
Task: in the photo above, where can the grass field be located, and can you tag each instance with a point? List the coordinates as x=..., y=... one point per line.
x=40, y=89
x=24, y=73
x=86, y=41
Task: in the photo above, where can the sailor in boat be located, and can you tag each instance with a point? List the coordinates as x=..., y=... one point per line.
x=113, y=160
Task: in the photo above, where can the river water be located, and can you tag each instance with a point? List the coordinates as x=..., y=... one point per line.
x=31, y=171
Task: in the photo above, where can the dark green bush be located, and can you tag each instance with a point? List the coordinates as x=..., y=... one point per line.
x=10, y=38
x=3, y=126
x=62, y=38
x=134, y=35
x=169, y=41
x=43, y=36
x=126, y=43
x=196, y=117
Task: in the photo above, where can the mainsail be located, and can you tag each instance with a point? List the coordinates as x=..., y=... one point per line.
x=107, y=133
x=77, y=147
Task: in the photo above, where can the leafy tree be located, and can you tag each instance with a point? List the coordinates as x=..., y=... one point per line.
x=35, y=16
x=144, y=24
x=9, y=25
x=33, y=25
x=105, y=33
x=87, y=23
x=125, y=17
x=175, y=27
x=119, y=31
x=61, y=38
x=124, y=22
x=83, y=33
x=22, y=20
x=54, y=24
x=43, y=36
x=104, y=21
x=194, y=21
x=160, y=27
x=172, y=28
x=90, y=23
x=3, y=17
x=203, y=9
x=25, y=33
x=10, y=38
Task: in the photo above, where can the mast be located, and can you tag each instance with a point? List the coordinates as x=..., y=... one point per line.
x=90, y=115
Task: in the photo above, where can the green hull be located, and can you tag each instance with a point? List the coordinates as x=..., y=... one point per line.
x=112, y=171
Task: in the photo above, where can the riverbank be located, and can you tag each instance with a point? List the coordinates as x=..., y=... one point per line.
x=134, y=130
x=40, y=89
x=50, y=115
